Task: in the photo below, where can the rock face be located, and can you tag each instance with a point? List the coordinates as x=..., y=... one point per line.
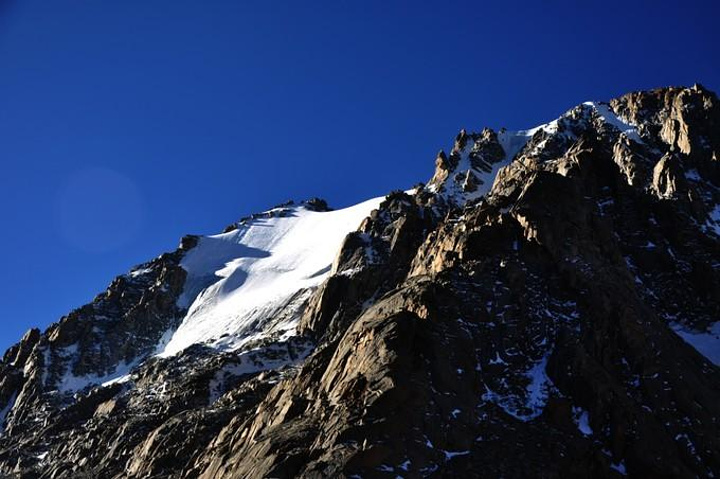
x=546, y=306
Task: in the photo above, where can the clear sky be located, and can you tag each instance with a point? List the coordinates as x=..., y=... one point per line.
x=126, y=124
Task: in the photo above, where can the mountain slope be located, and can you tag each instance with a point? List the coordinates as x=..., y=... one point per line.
x=262, y=265
x=547, y=305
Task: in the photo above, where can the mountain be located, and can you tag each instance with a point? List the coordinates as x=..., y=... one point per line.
x=547, y=305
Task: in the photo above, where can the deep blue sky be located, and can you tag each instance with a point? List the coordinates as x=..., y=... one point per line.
x=126, y=124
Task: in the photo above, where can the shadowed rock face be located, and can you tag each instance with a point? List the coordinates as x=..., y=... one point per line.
x=535, y=330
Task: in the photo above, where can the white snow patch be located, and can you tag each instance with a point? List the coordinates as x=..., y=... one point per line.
x=453, y=187
x=582, y=420
x=538, y=387
x=549, y=128
x=71, y=383
x=450, y=454
x=122, y=379
x=512, y=143
x=619, y=467
x=237, y=279
x=706, y=343
x=261, y=359
x=497, y=360
x=536, y=394
x=612, y=119
x=713, y=221
x=139, y=272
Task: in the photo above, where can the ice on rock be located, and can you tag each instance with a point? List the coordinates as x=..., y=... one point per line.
x=532, y=403
x=582, y=420
x=451, y=454
x=706, y=343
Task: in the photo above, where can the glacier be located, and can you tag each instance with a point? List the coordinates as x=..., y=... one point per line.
x=235, y=280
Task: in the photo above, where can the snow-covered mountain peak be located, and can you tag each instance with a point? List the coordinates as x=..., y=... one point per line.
x=269, y=262
x=469, y=171
x=565, y=316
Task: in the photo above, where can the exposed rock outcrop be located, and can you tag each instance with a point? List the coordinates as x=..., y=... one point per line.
x=547, y=306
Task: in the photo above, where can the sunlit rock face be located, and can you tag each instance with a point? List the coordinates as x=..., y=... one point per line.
x=546, y=305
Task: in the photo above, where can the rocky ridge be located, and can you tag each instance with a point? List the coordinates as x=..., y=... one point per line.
x=545, y=306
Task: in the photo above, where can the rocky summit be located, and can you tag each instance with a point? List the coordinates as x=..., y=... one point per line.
x=547, y=305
